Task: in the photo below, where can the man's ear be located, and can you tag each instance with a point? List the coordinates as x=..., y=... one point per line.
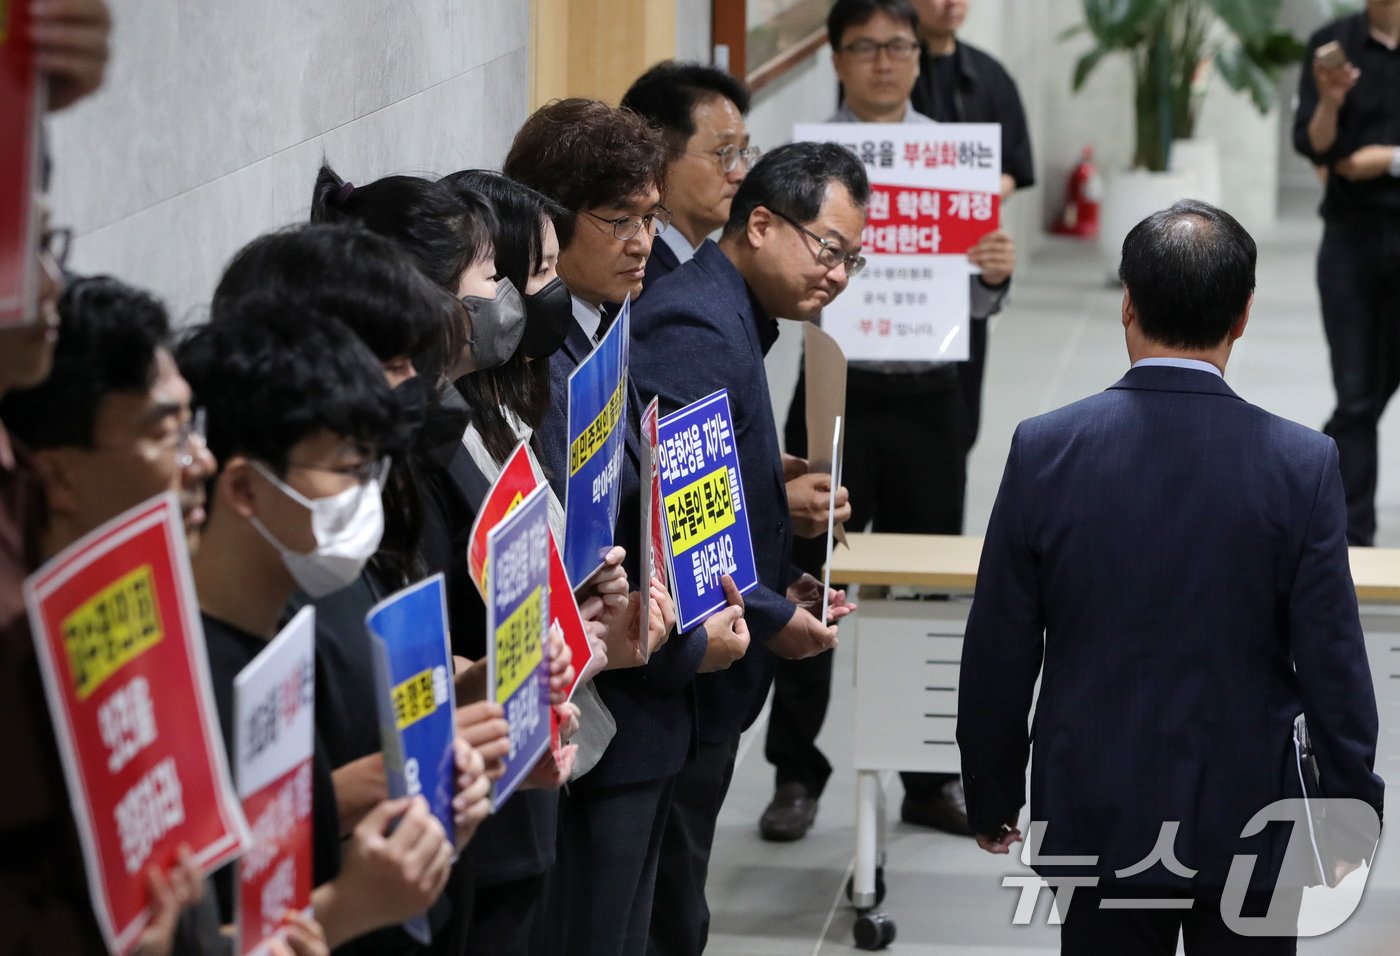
x=761, y=224
x=56, y=468
x=1130, y=316
x=233, y=489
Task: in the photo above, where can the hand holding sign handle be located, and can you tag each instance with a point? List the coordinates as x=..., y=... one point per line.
x=472, y=802
x=726, y=631
x=169, y=895
x=662, y=614
x=483, y=726
x=393, y=867
x=304, y=937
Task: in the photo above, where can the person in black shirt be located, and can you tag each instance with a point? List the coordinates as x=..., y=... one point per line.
x=367, y=282
x=298, y=414
x=109, y=428
x=959, y=83
x=1348, y=123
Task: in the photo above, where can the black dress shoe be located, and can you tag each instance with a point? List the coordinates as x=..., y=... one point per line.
x=945, y=810
x=789, y=816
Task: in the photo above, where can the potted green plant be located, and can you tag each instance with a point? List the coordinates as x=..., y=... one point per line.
x=1174, y=47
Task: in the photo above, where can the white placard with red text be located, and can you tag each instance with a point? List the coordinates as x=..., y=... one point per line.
x=935, y=190
x=121, y=650
x=274, y=700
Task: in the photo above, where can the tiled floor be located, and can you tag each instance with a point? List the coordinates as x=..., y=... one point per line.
x=1059, y=341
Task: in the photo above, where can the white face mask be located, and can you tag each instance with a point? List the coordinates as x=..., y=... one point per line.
x=347, y=527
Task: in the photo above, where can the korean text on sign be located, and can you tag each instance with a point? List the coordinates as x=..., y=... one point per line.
x=416, y=701
x=519, y=476
x=121, y=651
x=935, y=192
x=517, y=609
x=596, y=434
x=703, y=497
x=274, y=701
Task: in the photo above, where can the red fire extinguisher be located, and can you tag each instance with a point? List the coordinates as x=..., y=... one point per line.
x=1082, y=196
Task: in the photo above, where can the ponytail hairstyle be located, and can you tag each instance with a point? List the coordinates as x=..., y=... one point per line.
x=442, y=233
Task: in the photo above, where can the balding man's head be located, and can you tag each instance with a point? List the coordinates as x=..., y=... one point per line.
x=1189, y=271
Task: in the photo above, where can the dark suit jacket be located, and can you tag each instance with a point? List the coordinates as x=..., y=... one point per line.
x=654, y=706
x=696, y=332
x=1172, y=551
x=661, y=263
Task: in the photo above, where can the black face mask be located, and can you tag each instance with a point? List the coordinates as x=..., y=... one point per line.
x=547, y=316
x=497, y=325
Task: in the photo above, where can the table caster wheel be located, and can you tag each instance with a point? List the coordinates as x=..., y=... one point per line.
x=879, y=887
x=874, y=930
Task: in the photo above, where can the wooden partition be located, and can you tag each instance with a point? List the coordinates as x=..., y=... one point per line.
x=596, y=48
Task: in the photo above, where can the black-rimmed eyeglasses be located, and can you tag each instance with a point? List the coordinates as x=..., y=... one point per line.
x=829, y=254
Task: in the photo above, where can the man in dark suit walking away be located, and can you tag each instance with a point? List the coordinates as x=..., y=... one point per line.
x=1171, y=561
x=790, y=246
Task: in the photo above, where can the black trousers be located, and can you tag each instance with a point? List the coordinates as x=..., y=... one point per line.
x=1089, y=930
x=504, y=917
x=600, y=891
x=680, y=916
x=1358, y=280
x=906, y=470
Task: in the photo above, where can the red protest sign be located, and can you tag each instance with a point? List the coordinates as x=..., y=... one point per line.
x=914, y=220
x=21, y=107
x=121, y=650
x=274, y=716
x=654, y=556
x=519, y=476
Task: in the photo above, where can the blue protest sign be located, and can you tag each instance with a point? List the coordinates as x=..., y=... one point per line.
x=416, y=701
x=597, y=409
x=517, y=616
x=706, y=521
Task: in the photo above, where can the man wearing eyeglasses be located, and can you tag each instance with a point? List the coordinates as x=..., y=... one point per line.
x=699, y=111
x=111, y=426
x=906, y=439
x=607, y=167
x=789, y=247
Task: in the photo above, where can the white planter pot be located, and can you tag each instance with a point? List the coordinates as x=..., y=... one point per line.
x=1130, y=197
x=1200, y=159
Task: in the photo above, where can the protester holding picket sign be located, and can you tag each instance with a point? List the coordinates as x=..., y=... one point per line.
x=515, y=850
x=607, y=168
x=448, y=238
x=299, y=414
x=346, y=272
x=789, y=248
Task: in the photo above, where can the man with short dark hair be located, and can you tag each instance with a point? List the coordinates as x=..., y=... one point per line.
x=905, y=441
x=789, y=248
x=1171, y=563
x=607, y=167
x=108, y=428
x=111, y=426
x=699, y=112
x=299, y=413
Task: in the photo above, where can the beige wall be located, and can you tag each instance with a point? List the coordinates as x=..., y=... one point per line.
x=216, y=114
x=596, y=48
